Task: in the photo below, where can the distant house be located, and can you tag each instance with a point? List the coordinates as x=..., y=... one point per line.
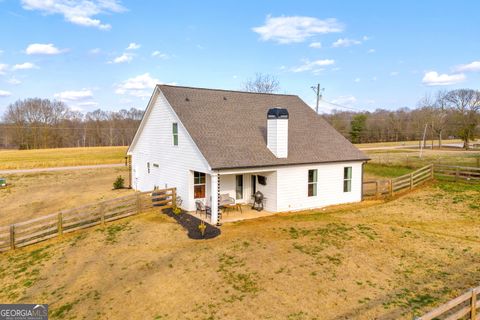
x=208, y=142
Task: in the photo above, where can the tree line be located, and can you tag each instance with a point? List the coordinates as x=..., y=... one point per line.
x=42, y=123
x=447, y=114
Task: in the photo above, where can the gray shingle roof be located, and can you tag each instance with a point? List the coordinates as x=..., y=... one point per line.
x=229, y=128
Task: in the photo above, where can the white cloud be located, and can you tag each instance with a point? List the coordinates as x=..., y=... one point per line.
x=42, y=48
x=313, y=65
x=133, y=46
x=139, y=86
x=345, y=42
x=371, y=51
x=290, y=29
x=4, y=93
x=160, y=55
x=14, y=81
x=357, y=80
x=345, y=100
x=469, y=67
x=126, y=57
x=433, y=78
x=316, y=45
x=74, y=96
x=3, y=68
x=95, y=51
x=80, y=12
x=25, y=66
x=394, y=73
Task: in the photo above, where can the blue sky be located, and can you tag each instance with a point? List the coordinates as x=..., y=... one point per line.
x=108, y=54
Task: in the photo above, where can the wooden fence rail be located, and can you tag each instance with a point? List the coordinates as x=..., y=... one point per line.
x=457, y=173
x=56, y=224
x=463, y=307
x=379, y=188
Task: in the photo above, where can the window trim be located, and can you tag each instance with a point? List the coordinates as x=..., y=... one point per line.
x=313, y=183
x=347, y=179
x=175, y=133
x=148, y=167
x=196, y=184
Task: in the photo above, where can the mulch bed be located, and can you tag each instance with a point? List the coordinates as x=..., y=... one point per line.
x=191, y=223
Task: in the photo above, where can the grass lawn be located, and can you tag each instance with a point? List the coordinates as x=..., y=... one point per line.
x=411, y=159
x=375, y=170
x=41, y=158
x=390, y=260
x=32, y=195
x=402, y=143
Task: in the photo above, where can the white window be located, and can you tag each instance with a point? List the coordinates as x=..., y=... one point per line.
x=198, y=185
x=347, y=179
x=239, y=186
x=175, y=133
x=312, y=182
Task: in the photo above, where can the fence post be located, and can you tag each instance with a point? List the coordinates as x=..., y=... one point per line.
x=12, y=236
x=174, y=197
x=473, y=305
x=139, y=205
x=457, y=173
x=377, y=195
x=411, y=181
x=390, y=186
x=60, y=223
x=102, y=214
x=431, y=171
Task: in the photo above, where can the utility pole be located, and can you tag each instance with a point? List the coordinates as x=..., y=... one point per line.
x=423, y=140
x=318, y=91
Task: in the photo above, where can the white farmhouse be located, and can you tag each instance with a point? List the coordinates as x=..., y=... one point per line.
x=207, y=142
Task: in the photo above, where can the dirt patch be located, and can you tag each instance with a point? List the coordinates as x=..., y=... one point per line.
x=37, y=194
x=374, y=260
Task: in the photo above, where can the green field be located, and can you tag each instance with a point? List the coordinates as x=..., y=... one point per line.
x=41, y=158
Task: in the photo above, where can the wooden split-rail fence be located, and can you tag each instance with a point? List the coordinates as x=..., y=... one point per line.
x=380, y=188
x=457, y=173
x=56, y=224
x=463, y=307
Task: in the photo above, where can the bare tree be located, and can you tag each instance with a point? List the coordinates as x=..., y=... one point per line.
x=41, y=123
x=263, y=83
x=465, y=104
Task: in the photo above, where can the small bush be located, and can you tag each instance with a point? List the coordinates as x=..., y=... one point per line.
x=119, y=183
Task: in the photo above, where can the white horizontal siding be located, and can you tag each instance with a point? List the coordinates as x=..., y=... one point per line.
x=176, y=163
x=292, y=184
x=277, y=137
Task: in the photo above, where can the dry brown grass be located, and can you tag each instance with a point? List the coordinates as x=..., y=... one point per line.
x=32, y=195
x=60, y=157
x=363, y=261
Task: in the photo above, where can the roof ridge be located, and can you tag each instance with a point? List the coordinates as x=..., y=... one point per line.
x=227, y=90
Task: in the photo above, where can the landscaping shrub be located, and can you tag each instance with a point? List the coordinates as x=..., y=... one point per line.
x=119, y=183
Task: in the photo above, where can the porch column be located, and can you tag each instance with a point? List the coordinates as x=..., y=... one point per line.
x=214, y=191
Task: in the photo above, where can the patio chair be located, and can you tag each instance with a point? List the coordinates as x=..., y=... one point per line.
x=226, y=200
x=202, y=208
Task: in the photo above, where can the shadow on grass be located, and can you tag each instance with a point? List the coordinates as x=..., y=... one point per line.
x=191, y=223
